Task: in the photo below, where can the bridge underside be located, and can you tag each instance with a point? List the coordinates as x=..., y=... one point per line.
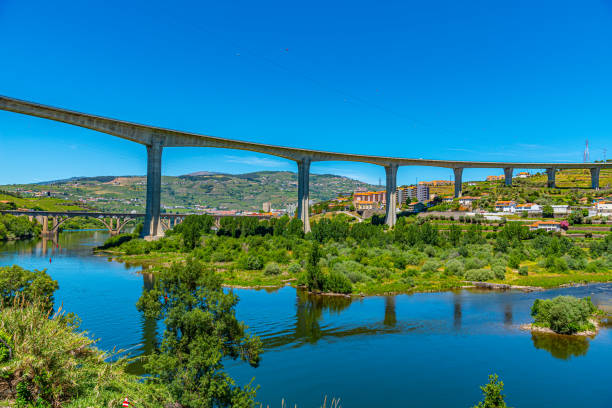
x=155, y=139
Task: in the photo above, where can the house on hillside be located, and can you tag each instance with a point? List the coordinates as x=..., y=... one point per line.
x=550, y=226
x=505, y=206
x=468, y=200
x=560, y=210
x=530, y=208
x=415, y=207
x=523, y=174
x=604, y=208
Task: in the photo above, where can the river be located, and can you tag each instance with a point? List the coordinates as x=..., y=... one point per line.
x=432, y=350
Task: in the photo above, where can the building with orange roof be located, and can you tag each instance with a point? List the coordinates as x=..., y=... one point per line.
x=505, y=206
x=496, y=178
x=549, y=225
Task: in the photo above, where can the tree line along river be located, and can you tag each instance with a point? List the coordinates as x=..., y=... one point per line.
x=430, y=349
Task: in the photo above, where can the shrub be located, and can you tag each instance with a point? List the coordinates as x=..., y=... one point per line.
x=492, y=392
x=563, y=314
x=336, y=282
x=294, y=268
x=454, y=267
x=430, y=266
x=523, y=271
x=116, y=241
x=479, y=275
x=272, y=268
x=499, y=272
x=474, y=263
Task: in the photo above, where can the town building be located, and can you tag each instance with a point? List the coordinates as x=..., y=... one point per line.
x=267, y=207
x=496, y=178
x=415, y=207
x=530, y=208
x=548, y=225
x=467, y=201
x=435, y=183
x=505, y=206
x=560, y=210
x=604, y=208
x=523, y=174
x=422, y=193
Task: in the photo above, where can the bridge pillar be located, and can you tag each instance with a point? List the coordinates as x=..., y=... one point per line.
x=44, y=220
x=304, y=192
x=551, y=172
x=458, y=176
x=508, y=176
x=391, y=186
x=152, y=227
x=595, y=178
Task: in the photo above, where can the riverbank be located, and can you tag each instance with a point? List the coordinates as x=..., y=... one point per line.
x=398, y=283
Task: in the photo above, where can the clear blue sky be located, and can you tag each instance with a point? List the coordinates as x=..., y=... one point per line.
x=479, y=80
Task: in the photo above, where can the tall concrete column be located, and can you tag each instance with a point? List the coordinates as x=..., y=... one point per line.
x=551, y=172
x=458, y=175
x=45, y=226
x=391, y=187
x=508, y=176
x=152, y=227
x=304, y=192
x=595, y=178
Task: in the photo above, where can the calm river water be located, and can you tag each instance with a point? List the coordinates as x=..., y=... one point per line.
x=422, y=350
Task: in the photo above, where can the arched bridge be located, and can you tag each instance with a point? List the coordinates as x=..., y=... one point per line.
x=155, y=139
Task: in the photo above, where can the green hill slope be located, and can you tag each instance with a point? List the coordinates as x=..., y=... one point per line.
x=213, y=190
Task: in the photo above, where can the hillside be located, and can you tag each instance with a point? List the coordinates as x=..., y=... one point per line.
x=212, y=190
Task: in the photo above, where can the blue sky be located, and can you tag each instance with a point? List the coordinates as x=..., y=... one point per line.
x=480, y=80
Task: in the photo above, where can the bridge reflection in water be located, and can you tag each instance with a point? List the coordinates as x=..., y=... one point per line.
x=311, y=323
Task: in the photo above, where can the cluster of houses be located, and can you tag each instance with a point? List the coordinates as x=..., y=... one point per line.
x=377, y=200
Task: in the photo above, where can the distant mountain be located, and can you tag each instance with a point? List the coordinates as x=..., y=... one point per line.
x=214, y=190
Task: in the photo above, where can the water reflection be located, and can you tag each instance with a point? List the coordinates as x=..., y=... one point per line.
x=560, y=346
x=390, y=316
x=457, y=312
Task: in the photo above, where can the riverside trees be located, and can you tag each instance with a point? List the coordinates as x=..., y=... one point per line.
x=417, y=254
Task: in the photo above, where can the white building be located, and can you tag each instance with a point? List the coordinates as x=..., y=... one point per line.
x=505, y=206
x=604, y=208
x=546, y=225
x=560, y=210
x=530, y=208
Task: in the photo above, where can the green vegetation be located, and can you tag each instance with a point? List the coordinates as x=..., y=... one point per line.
x=564, y=314
x=201, y=330
x=45, y=361
x=343, y=256
x=492, y=392
x=20, y=285
x=11, y=200
x=214, y=190
x=15, y=228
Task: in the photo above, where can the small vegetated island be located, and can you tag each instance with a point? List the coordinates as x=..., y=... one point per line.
x=344, y=256
x=565, y=315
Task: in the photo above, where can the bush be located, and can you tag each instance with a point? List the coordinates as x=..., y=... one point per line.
x=454, y=267
x=335, y=282
x=479, y=275
x=116, y=241
x=272, y=268
x=430, y=266
x=523, y=271
x=474, y=263
x=254, y=263
x=563, y=314
x=499, y=272
x=294, y=268
x=492, y=392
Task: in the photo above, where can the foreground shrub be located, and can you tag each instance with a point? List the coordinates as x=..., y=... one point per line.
x=55, y=365
x=116, y=241
x=454, y=267
x=523, y=271
x=499, y=272
x=564, y=314
x=492, y=392
x=201, y=333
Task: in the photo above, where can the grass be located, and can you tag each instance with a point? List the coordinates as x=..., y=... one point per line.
x=44, y=203
x=60, y=365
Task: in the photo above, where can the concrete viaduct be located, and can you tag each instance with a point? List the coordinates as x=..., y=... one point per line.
x=156, y=139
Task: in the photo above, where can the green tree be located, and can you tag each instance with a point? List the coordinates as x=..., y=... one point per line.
x=192, y=229
x=547, y=211
x=314, y=276
x=492, y=392
x=201, y=331
x=31, y=286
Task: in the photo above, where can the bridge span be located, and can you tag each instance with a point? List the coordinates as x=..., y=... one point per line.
x=155, y=139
